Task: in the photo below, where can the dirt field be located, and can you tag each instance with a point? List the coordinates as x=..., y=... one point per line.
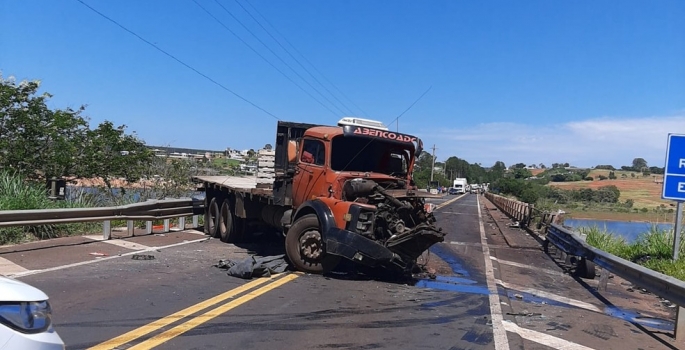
x=645, y=191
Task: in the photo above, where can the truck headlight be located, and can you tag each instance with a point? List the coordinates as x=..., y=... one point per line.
x=26, y=317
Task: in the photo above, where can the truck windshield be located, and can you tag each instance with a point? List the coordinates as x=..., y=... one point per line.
x=349, y=153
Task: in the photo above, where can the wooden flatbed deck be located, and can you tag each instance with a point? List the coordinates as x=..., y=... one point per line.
x=237, y=183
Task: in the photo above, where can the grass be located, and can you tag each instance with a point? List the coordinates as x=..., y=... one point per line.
x=18, y=194
x=653, y=249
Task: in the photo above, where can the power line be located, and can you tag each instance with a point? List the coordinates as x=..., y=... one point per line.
x=305, y=58
x=177, y=59
x=278, y=56
x=261, y=56
x=291, y=55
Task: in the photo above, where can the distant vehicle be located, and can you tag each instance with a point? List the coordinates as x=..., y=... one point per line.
x=460, y=184
x=25, y=318
x=453, y=191
x=475, y=188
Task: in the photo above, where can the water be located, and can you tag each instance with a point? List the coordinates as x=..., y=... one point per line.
x=629, y=230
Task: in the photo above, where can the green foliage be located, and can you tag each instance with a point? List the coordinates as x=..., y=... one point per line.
x=19, y=194
x=653, y=249
x=612, y=176
x=38, y=142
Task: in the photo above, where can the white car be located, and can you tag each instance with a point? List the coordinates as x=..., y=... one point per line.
x=25, y=318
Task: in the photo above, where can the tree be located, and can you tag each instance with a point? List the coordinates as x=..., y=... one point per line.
x=109, y=153
x=542, y=166
x=268, y=147
x=34, y=140
x=39, y=143
x=612, y=176
x=639, y=164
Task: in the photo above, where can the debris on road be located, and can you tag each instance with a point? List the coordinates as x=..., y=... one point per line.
x=98, y=254
x=247, y=268
x=142, y=257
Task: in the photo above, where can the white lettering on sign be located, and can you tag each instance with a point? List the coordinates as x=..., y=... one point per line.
x=682, y=163
x=681, y=187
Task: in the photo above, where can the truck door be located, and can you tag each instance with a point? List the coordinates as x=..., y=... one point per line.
x=310, y=170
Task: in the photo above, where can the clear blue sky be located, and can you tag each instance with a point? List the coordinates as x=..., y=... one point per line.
x=586, y=82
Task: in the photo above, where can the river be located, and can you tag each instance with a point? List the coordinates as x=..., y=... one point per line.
x=629, y=230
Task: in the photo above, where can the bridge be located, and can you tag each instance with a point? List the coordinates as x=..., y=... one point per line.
x=490, y=285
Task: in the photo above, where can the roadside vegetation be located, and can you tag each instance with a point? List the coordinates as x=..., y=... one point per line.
x=103, y=164
x=653, y=249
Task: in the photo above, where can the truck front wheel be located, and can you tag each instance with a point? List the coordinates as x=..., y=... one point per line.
x=304, y=246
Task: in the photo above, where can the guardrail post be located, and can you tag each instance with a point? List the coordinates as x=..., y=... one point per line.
x=148, y=227
x=603, y=280
x=196, y=221
x=167, y=227
x=182, y=223
x=679, y=324
x=106, y=229
x=130, y=228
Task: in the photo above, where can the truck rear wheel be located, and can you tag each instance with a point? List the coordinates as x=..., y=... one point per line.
x=228, y=230
x=212, y=218
x=304, y=246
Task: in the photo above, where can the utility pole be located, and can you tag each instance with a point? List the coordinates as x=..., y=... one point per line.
x=433, y=167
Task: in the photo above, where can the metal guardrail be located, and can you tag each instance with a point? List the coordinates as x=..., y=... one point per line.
x=526, y=214
x=148, y=211
x=664, y=286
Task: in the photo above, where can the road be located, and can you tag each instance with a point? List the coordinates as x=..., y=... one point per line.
x=494, y=289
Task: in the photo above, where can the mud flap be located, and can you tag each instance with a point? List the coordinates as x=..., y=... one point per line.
x=357, y=248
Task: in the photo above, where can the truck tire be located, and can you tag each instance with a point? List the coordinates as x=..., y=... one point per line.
x=212, y=218
x=227, y=230
x=304, y=246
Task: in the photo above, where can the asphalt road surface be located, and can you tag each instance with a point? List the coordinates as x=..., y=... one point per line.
x=493, y=288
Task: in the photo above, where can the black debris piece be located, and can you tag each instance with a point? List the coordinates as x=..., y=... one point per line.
x=254, y=266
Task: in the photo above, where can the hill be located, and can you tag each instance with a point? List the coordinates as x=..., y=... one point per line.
x=645, y=191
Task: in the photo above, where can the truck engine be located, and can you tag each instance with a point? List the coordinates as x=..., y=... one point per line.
x=393, y=216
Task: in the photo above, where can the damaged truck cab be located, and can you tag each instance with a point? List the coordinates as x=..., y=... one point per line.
x=341, y=191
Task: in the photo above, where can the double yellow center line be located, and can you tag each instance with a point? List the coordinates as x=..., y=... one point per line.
x=197, y=320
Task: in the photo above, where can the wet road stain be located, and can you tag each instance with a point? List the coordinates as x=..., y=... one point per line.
x=635, y=317
x=451, y=258
x=452, y=287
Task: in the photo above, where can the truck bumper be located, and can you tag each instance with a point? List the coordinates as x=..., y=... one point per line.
x=358, y=248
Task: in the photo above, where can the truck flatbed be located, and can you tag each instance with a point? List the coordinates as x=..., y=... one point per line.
x=247, y=185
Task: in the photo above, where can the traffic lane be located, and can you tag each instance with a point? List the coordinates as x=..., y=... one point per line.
x=315, y=312
x=95, y=302
x=461, y=223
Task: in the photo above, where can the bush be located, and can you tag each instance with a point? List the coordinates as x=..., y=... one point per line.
x=589, y=178
x=602, y=177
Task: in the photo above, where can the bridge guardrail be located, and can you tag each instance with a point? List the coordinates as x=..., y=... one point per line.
x=573, y=245
x=148, y=211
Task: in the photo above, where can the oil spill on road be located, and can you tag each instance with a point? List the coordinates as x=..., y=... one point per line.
x=613, y=311
x=452, y=287
x=451, y=258
x=635, y=317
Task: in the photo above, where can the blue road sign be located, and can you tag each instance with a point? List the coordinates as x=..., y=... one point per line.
x=674, y=174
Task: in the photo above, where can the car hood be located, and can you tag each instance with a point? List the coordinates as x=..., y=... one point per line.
x=13, y=290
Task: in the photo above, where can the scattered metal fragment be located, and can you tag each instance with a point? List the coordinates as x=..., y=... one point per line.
x=142, y=257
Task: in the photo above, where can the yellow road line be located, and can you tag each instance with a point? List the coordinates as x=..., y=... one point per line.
x=209, y=315
x=448, y=202
x=153, y=326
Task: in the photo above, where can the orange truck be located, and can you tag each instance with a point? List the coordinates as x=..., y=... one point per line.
x=334, y=192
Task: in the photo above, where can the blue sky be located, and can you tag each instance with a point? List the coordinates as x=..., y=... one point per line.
x=585, y=82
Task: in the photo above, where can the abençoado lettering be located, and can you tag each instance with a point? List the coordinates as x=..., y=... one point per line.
x=384, y=134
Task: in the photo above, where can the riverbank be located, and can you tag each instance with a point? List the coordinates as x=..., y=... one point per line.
x=651, y=216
